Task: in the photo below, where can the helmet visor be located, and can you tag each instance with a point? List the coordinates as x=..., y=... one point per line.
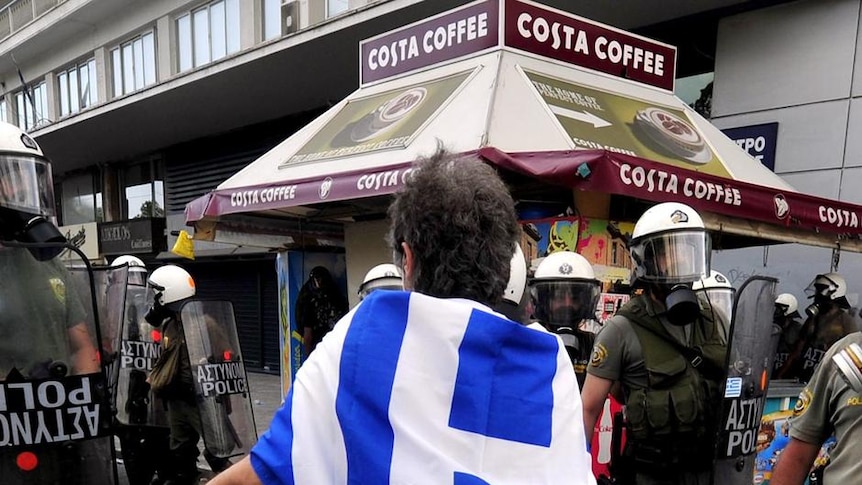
x=821, y=286
x=720, y=300
x=137, y=276
x=673, y=257
x=26, y=185
x=564, y=303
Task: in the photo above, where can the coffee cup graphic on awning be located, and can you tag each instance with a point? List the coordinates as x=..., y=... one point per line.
x=384, y=121
x=385, y=117
x=600, y=120
x=672, y=133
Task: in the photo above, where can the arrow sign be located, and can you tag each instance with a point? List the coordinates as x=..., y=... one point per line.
x=584, y=116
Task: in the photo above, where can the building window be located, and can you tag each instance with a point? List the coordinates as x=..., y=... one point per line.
x=77, y=87
x=271, y=19
x=696, y=91
x=143, y=189
x=335, y=7
x=32, y=106
x=134, y=64
x=81, y=199
x=3, y=116
x=207, y=34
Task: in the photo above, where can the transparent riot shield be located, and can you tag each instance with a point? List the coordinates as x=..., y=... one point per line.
x=751, y=351
x=219, y=375
x=55, y=416
x=109, y=284
x=140, y=347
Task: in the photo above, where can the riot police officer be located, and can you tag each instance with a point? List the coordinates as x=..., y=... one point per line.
x=384, y=276
x=141, y=423
x=514, y=304
x=48, y=323
x=666, y=353
x=564, y=292
x=786, y=316
x=828, y=321
x=715, y=295
x=171, y=377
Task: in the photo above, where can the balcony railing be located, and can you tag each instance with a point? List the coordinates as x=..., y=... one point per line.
x=19, y=13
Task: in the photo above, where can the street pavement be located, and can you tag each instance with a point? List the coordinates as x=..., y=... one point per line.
x=266, y=399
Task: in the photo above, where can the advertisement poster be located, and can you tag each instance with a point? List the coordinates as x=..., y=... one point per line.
x=599, y=120
x=384, y=121
x=84, y=237
x=293, y=268
x=773, y=438
x=600, y=241
x=609, y=304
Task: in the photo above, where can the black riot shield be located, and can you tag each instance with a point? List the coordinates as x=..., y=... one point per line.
x=139, y=349
x=219, y=374
x=55, y=416
x=751, y=351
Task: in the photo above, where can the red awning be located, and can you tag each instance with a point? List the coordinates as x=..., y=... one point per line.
x=604, y=171
x=293, y=193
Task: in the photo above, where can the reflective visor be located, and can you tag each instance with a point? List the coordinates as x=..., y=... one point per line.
x=674, y=257
x=720, y=300
x=564, y=302
x=26, y=185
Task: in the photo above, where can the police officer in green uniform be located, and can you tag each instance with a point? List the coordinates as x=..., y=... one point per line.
x=564, y=292
x=43, y=292
x=787, y=317
x=666, y=354
x=830, y=404
x=173, y=285
x=828, y=321
x=45, y=329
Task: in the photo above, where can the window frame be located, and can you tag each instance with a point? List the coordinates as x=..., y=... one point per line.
x=39, y=93
x=155, y=167
x=329, y=14
x=198, y=25
x=124, y=75
x=265, y=19
x=64, y=87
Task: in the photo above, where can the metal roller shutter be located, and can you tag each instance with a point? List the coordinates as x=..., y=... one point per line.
x=252, y=287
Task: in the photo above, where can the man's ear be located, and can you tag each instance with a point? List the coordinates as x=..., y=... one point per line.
x=408, y=263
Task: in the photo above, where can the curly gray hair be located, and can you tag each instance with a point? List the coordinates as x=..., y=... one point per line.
x=458, y=218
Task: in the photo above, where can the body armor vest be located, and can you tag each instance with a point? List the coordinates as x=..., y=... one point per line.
x=673, y=419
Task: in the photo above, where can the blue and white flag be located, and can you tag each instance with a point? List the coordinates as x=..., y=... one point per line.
x=410, y=389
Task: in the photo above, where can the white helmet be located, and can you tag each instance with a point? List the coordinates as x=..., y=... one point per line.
x=564, y=290
x=831, y=286
x=788, y=305
x=517, y=277
x=171, y=284
x=715, y=293
x=670, y=245
x=137, y=269
x=26, y=190
x=384, y=276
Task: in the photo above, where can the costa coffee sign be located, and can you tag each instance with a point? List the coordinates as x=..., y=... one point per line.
x=526, y=26
x=342, y=186
x=565, y=37
x=447, y=36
